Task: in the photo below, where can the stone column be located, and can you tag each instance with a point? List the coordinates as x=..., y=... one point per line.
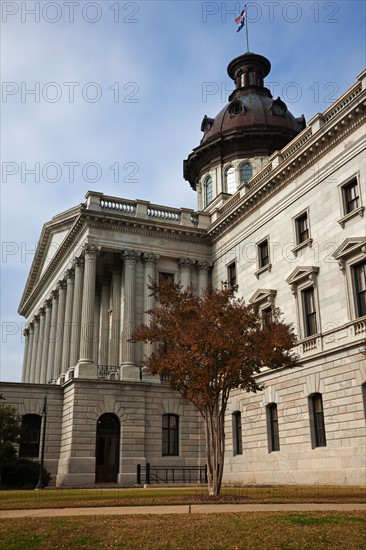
x=114, y=344
x=46, y=341
x=129, y=369
x=29, y=354
x=203, y=268
x=53, y=336
x=25, y=356
x=76, y=311
x=104, y=322
x=150, y=274
x=61, y=287
x=96, y=325
x=185, y=265
x=34, y=350
x=66, y=342
x=87, y=311
x=37, y=377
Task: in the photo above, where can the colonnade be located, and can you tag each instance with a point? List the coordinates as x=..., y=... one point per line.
x=88, y=320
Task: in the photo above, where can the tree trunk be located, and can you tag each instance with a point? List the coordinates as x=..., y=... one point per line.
x=215, y=447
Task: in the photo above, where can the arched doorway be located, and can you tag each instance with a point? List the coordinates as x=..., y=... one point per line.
x=107, y=449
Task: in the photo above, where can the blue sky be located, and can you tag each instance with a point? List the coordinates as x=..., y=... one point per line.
x=126, y=84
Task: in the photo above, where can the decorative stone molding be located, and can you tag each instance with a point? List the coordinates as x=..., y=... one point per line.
x=186, y=263
x=150, y=258
x=204, y=265
x=267, y=267
x=264, y=297
x=78, y=262
x=91, y=251
x=301, y=274
x=130, y=255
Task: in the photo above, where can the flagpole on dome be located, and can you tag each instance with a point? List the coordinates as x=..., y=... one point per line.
x=242, y=20
x=246, y=26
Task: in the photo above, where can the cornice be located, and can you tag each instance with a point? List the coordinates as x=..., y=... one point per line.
x=148, y=229
x=300, y=155
x=29, y=295
x=90, y=219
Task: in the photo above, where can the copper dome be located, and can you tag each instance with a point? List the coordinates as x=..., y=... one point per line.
x=251, y=124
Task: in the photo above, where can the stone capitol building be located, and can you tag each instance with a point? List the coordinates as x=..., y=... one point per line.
x=280, y=213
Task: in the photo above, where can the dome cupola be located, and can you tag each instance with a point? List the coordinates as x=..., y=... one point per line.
x=252, y=125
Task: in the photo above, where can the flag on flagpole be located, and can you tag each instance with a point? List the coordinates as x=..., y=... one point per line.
x=240, y=20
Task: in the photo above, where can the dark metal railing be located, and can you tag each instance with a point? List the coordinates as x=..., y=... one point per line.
x=170, y=474
x=108, y=372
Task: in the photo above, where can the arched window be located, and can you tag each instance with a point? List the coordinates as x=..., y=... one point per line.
x=237, y=436
x=30, y=436
x=107, y=448
x=170, y=435
x=317, y=427
x=208, y=190
x=272, y=428
x=246, y=172
x=230, y=180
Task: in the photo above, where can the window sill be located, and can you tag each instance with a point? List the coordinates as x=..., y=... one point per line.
x=267, y=267
x=308, y=242
x=359, y=211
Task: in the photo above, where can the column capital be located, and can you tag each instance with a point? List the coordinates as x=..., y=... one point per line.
x=41, y=311
x=91, y=251
x=204, y=265
x=54, y=294
x=47, y=303
x=26, y=332
x=78, y=262
x=186, y=263
x=69, y=276
x=150, y=258
x=61, y=285
x=131, y=256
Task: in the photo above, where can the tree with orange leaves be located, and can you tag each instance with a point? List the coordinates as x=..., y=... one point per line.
x=208, y=346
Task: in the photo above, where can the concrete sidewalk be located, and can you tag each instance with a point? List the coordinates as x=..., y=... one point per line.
x=180, y=509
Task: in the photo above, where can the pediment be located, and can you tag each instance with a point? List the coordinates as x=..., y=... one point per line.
x=300, y=273
x=53, y=240
x=349, y=246
x=263, y=295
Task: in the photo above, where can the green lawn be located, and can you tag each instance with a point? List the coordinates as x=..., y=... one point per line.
x=65, y=498
x=272, y=531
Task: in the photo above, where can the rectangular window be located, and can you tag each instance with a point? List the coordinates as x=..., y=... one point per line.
x=170, y=434
x=263, y=254
x=231, y=274
x=310, y=323
x=272, y=428
x=30, y=436
x=359, y=281
x=237, y=436
x=302, y=228
x=351, y=196
x=166, y=277
x=317, y=421
x=266, y=316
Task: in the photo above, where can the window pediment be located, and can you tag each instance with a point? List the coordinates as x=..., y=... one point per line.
x=302, y=273
x=263, y=295
x=349, y=247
